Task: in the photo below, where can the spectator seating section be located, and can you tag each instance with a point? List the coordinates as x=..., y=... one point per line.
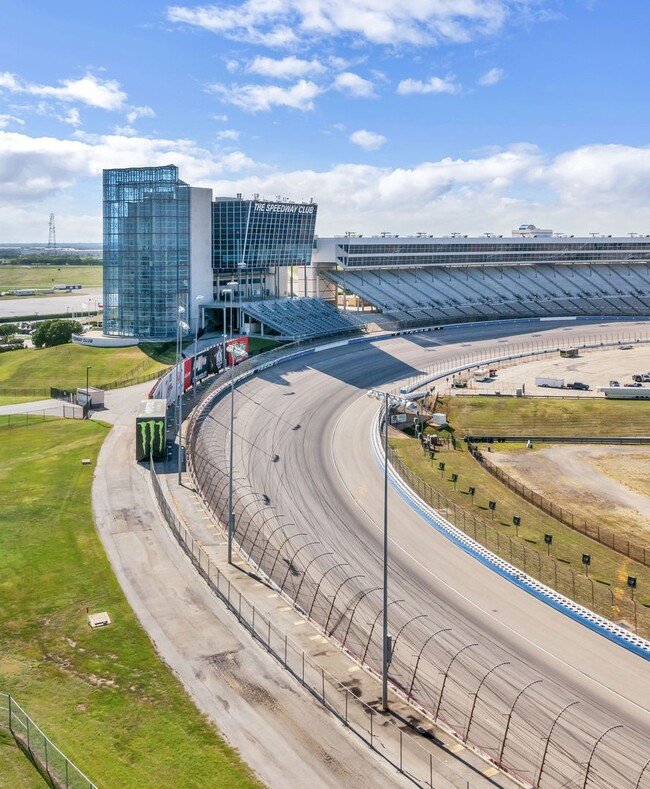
x=447, y=293
x=298, y=318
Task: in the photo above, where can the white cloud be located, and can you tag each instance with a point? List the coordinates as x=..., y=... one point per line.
x=72, y=117
x=35, y=168
x=598, y=187
x=390, y=22
x=260, y=98
x=286, y=68
x=104, y=94
x=354, y=85
x=228, y=134
x=139, y=112
x=9, y=120
x=432, y=85
x=491, y=77
x=368, y=140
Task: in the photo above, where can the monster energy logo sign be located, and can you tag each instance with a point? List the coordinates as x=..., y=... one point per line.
x=148, y=432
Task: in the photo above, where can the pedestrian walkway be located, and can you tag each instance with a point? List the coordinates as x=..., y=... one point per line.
x=427, y=752
x=279, y=729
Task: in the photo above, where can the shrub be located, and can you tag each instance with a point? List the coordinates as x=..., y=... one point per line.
x=55, y=332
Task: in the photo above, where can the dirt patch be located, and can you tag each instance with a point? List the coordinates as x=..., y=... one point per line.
x=604, y=485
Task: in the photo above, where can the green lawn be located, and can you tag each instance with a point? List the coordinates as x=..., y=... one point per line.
x=15, y=768
x=546, y=416
x=12, y=277
x=65, y=366
x=102, y=695
x=608, y=568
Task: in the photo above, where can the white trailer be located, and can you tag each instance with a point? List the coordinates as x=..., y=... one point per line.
x=551, y=383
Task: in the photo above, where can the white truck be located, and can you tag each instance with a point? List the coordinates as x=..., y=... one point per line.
x=551, y=383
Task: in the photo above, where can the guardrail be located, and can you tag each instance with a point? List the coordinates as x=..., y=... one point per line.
x=346, y=607
x=52, y=763
x=393, y=742
x=607, y=537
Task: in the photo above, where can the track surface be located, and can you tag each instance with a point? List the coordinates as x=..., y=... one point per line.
x=323, y=479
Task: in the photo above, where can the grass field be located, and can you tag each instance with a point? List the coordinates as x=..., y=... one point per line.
x=608, y=569
x=539, y=416
x=102, y=695
x=12, y=277
x=65, y=366
x=15, y=768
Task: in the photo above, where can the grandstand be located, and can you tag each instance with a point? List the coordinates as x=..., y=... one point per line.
x=298, y=318
x=458, y=279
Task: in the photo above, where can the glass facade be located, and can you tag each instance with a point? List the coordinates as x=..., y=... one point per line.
x=489, y=253
x=257, y=235
x=146, y=251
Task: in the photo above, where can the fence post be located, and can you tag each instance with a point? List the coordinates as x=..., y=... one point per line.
x=10, y=714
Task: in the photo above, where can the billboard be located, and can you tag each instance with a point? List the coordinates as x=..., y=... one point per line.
x=241, y=354
x=206, y=362
x=150, y=430
x=187, y=373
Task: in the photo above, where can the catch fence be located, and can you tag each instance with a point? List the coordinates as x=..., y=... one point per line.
x=395, y=743
x=52, y=763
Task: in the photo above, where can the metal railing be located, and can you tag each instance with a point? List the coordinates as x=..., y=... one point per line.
x=394, y=743
x=38, y=417
x=54, y=765
x=600, y=534
x=346, y=606
x=604, y=600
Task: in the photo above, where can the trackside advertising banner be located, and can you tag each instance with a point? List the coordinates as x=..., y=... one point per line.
x=241, y=354
x=203, y=364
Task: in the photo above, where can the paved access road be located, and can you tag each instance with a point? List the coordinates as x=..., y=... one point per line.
x=71, y=302
x=322, y=482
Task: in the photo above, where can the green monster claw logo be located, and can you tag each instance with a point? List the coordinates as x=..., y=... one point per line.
x=148, y=432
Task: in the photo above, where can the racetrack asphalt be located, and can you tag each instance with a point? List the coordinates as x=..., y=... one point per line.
x=327, y=483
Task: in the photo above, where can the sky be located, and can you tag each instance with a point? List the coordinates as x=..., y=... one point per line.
x=400, y=116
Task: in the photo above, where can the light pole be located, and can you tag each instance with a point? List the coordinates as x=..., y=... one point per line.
x=385, y=661
x=89, y=367
x=181, y=327
x=196, y=348
x=227, y=292
x=231, y=515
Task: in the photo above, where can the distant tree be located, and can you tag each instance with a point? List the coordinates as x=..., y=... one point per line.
x=55, y=332
x=7, y=329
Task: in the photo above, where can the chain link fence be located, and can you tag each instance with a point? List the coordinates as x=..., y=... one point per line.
x=603, y=600
x=397, y=744
x=433, y=666
x=54, y=765
x=600, y=534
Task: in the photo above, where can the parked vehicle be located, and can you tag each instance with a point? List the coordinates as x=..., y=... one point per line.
x=553, y=383
x=614, y=383
x=578, y=385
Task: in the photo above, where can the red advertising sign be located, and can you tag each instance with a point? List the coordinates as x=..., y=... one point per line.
x=187, y=373
x=240, y=353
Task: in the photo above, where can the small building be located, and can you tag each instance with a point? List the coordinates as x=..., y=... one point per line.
x=95, y=396
x=569, y=353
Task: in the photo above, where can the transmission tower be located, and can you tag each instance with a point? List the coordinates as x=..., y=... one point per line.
x=51, y=243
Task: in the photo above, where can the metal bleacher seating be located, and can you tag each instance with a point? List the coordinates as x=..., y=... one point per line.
x=298, y=318
x=447, y=293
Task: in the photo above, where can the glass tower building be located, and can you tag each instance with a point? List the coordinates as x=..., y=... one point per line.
x=167, y=244
x=146, y=250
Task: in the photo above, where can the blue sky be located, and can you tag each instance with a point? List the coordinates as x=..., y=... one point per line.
x=441, y=116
